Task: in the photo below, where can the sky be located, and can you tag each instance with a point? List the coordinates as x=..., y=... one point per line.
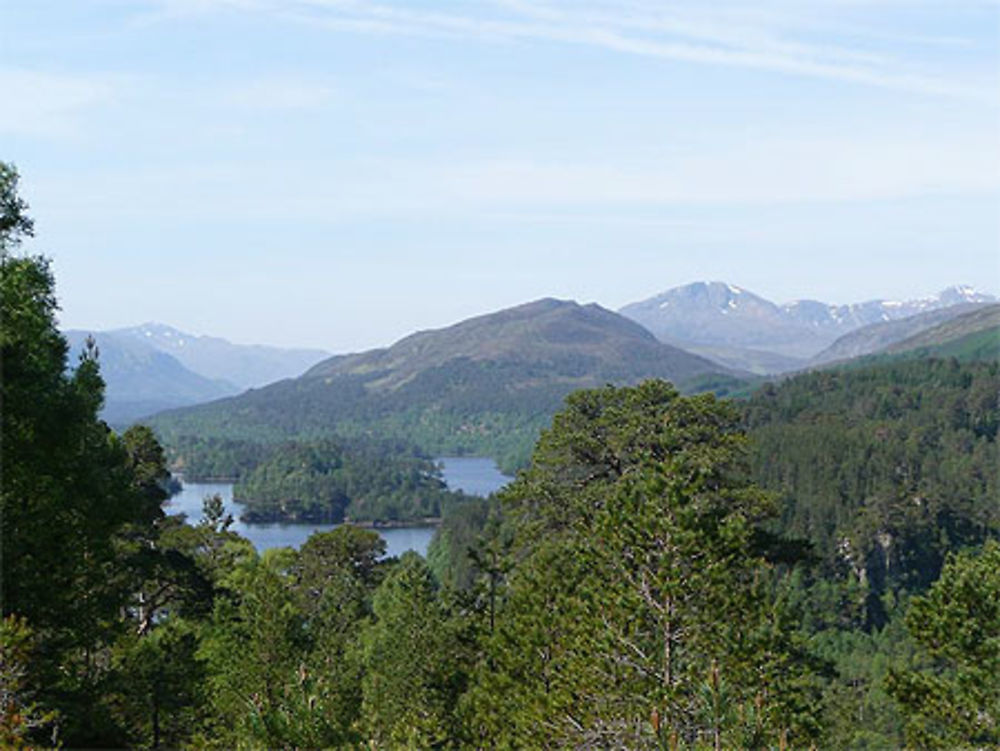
x=340, y=173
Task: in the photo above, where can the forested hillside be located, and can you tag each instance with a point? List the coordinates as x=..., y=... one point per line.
x=884, y=469
x=484, y=386
x=489, y=385
x=879, y=336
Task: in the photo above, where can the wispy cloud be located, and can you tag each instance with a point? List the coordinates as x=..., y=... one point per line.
x=331, y=191
x=772, y=36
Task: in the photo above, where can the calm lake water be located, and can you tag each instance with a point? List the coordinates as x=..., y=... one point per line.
x=473, y=475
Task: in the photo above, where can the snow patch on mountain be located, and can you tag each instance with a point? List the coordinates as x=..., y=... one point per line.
x=723, y=315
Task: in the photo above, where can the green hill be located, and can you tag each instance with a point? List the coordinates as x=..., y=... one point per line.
x=880, y=336
x=485, y=386
x=556, y=340
x=971, y=336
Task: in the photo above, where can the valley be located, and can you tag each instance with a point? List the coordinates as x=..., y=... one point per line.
x=488, y=386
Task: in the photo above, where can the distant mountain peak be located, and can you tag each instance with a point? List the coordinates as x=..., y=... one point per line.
x=539, y=331
x=159, y=335
x=142, y=378
x=472, y=381
x=154, y=327
x=216, y=358
x=722, y=317
x=960, y=293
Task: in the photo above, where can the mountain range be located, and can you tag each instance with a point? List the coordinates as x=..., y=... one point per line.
x=140, y=380
x=243, y=365
x=975, y=334
x=154, y=367
x=745, y=331
x=489, y=384
x=706, y=334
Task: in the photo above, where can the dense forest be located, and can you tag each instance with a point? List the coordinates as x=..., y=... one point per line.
x=324, y=481
x=886, y=470
x=817, y=566
x=477, y=420
x=320, y=480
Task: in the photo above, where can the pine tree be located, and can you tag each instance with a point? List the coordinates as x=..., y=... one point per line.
x=639, y=610
x=951, y=698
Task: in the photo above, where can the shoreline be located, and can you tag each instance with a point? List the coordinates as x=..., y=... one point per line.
x=375, y=524
x=427, y=521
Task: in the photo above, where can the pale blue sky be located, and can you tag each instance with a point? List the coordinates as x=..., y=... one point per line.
x=339, y=173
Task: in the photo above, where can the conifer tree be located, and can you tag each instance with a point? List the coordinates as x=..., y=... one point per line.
x=951, y=698
x=639, y=610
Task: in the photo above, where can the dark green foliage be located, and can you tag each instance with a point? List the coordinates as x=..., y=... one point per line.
x=256, y=650
x=719, y=384
x=452, y=551
x=858, y=711
x=478, y=420
x=285, y=666
x=68, y=491
x=322, y=480
x=156, y=690
x=634, y=588
x=415, y=663
x=20, y=715
x=14, y=222
x=206, y=459
x=633, y=536
x=79, y=506
x=885, y=469
x=330, y=480
x=951, y=699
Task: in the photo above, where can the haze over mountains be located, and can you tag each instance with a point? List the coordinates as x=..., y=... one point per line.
x=879, y=336
x=743, y=330
x=140, y=380
x=710, y=330
x=489, y=384
x=975, y=334
x=153, y=367
x=243, y=365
